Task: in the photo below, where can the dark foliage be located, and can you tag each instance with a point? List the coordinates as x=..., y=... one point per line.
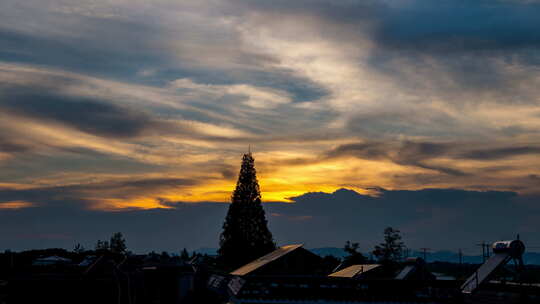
x=184, y=255
x=118, y=243
x=245, y=235
x=329, y=263
x=391, y=250
x=78, y=248
x=355, y=256
x=102, y=245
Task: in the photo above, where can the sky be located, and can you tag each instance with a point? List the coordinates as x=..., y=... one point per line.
x=124, y=114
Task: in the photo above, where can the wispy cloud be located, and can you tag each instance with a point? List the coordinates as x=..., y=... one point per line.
x=399, y=94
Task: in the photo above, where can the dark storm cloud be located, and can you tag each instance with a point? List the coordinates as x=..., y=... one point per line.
x=459, y=25
x=83, y=196
x=36, y=164
x=367, y=150
x=534, y=177
x=316, y=219
x=142, y=185
x=471, y=42
x=349, y=12
x=432, y=48
x=411, y=152
x=411, y=121
x=423, y=25
x=11, y=146
x=228, y=172
x=98, y=51
x=131, y=46
x=300, y=88
x=408, y=153
x=52, y=97
x=417, y=153
x=89, y=115
x=500, y=153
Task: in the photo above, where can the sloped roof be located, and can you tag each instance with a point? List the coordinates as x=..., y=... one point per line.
x=51, y=260
x=272, y=256
x=405, y=272
x=354, y=270
x=54, y=258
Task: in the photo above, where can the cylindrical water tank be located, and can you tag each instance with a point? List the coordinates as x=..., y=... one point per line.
x=515, y=248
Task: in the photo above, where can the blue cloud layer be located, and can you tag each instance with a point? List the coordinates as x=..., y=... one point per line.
x=441, y=219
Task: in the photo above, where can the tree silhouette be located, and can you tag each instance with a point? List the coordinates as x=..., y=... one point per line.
x=392, y=248
x=355, y=256
x=117, y=243
x=102, y=245
x=184, y=255
x=78, y=248
x=245, y=235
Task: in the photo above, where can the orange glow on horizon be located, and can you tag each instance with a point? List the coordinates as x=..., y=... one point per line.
x=279, y=181
x=15, y=205
x=277, y=185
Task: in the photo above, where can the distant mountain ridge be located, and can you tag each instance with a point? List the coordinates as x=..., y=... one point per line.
x=530, y=258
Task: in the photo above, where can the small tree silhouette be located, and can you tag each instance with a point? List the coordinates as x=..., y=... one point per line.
x=117, y=243
x=355, y=256
x=392, y=248
x=245, y=235
x=78, y=248
x=184, y=255
x=102, y=245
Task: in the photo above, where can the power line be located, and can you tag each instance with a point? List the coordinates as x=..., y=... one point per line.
x=407, y=252
x=424, y=252
x=485, y=250
x=460, y=269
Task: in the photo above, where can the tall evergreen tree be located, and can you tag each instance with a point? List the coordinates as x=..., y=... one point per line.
x=245, y=235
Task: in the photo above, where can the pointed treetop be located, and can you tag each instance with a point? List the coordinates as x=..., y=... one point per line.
x=247, y=186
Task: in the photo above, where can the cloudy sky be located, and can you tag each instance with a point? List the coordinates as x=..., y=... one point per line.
x=121, y=107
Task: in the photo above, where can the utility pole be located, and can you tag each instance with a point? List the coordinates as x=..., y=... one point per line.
x=424, y=253
x=11, y=258
x=460, y=253
x=485, y=251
